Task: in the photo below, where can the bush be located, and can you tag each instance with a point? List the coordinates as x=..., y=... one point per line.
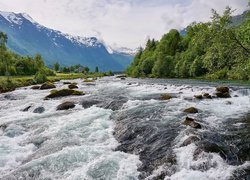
x=40, y=76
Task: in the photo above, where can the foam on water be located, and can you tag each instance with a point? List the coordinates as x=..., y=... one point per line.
x=73, y=144
x=79, y=143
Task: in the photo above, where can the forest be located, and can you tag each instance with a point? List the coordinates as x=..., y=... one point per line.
x=12, y=64
x=211, y=50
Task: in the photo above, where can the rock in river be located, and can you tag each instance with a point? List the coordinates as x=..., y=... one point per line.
x=47, y=85
x=39, y=110
x=222, y=92
x=64, y=92
x=166, y=97
x=65, y=106
x=191, y=110
x=190, y=122
x=35, y=87
x=73, y=86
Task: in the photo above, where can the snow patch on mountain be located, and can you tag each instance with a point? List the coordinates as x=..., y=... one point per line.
x=87, y=41
x=12, y=17
x=124, y=50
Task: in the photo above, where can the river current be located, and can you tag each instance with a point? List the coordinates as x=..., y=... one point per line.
x=121, y=129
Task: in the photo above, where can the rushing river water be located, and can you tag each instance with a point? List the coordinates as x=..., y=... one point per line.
x=122, y=130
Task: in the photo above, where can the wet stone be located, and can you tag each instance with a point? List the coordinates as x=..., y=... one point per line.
x=191, y=122
x=65, y=106
x=39, y=110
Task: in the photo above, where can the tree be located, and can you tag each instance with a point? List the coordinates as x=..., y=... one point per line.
x=86, y=70
x=56, y=66
x=96, y=69
x=38, y=62
x=3, y=40
x=163, y=67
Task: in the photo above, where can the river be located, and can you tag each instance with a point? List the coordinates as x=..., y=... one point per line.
x=122, y=130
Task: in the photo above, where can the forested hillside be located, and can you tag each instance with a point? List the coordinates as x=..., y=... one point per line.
x=215, y=50
x=12, y=64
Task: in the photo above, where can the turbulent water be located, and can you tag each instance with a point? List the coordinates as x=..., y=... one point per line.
x=122, y=130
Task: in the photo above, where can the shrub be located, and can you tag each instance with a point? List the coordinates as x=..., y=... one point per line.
x=40, y=77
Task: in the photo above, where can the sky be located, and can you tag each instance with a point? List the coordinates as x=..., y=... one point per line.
x=120, y=23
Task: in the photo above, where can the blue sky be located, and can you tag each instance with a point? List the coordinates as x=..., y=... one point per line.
x=125, y=23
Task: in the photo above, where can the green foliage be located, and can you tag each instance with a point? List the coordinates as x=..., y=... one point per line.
x=163, y=67
x=96, y=69
x=56, y=66
x=40, y=76
x=12, y=64
x=214, y=50
x=86, y=70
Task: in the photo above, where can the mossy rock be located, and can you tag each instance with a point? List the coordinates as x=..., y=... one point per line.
x=166, y=97
x=191, y=110
x=63, y=93
x=65, y=106
x=73, y=86
x=47, y=85
x=222, y=89
x=198, y=96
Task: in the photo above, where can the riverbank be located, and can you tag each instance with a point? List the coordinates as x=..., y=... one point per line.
x=13, y=82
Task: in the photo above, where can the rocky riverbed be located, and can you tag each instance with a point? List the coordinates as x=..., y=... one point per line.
x=115, y=128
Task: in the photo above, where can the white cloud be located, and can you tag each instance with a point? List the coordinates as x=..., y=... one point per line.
x=123, y=22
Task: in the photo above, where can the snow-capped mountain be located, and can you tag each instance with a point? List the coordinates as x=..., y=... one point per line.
x=27, y=37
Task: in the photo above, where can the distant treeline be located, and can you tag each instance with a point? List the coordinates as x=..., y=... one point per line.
x=215, y=50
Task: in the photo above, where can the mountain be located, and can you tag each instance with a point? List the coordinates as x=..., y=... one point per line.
x=236, y=20
x=27, y=37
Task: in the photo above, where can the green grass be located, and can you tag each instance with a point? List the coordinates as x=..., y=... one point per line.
x=13, y=82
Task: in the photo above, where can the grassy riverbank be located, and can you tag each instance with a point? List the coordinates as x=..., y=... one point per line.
x=11, y=83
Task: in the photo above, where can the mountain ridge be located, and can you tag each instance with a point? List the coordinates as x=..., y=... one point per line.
x=27, y=37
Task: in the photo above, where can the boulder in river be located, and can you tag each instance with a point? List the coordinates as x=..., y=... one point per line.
x=207, y=96
x=64, y=92
x=222, y=89
x=191, y=110
x=166, y=97
x=35, y=87
x=73, y=86
x=223, y=95
x=198, y=96
x=47, y=85
x=65, y=106
x=222, y=92
x=190, y=122
x=39, y=110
